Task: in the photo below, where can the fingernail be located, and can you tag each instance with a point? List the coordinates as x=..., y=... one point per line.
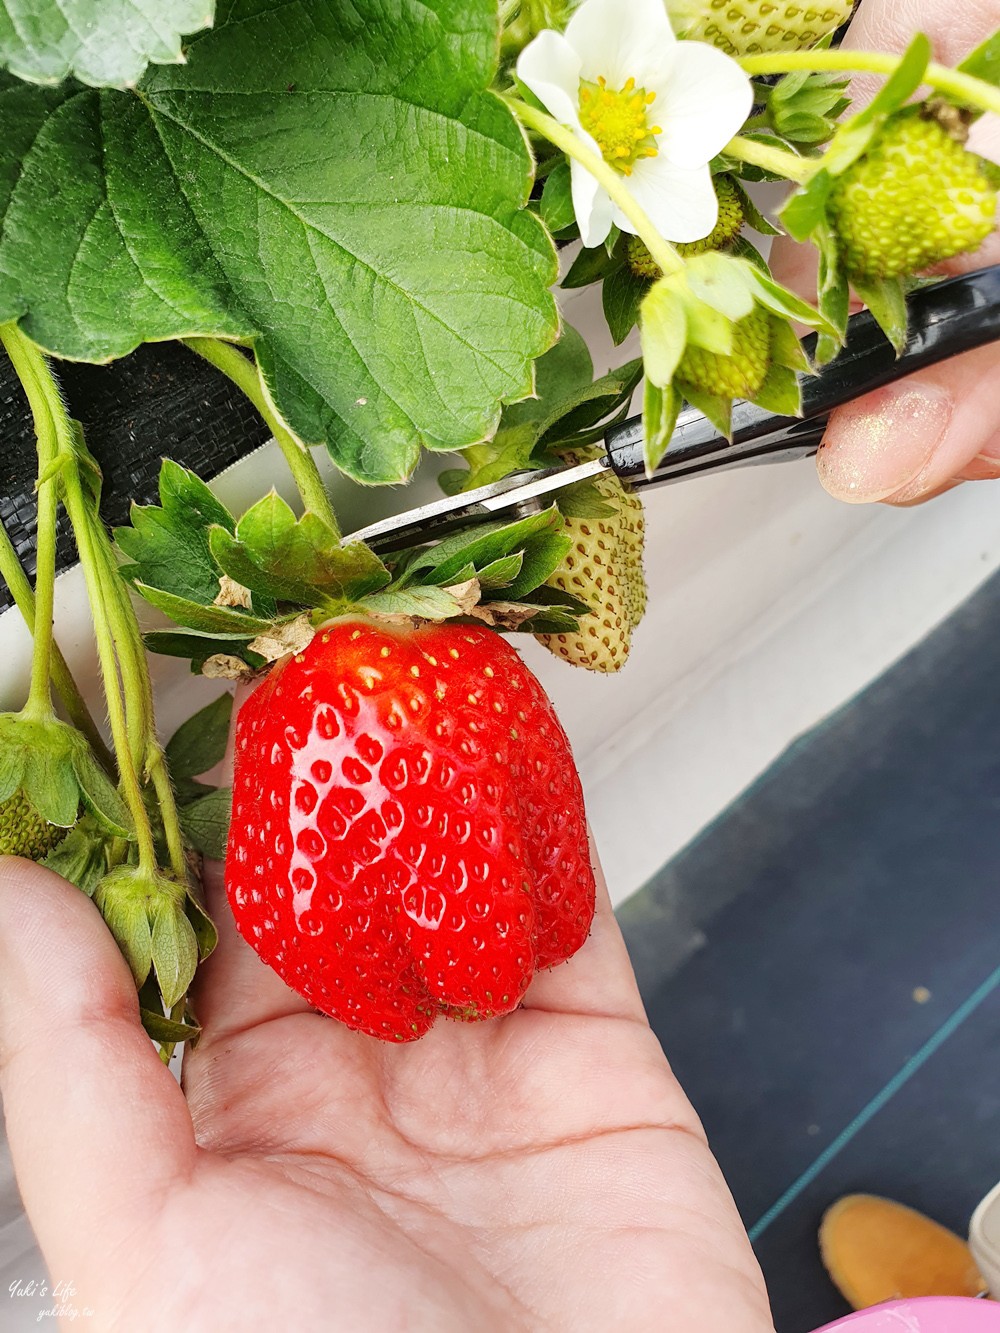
x=876, y=449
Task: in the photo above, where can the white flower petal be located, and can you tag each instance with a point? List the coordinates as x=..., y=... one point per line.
x=550, y=67
x=622, y=39
x=701, y=106
x=591, y=204
x=681, y=203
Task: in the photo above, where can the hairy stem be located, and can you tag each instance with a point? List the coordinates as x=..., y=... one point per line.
x=964, y=88
x=62, y=678
x=610, y=180
x=243, y=373
x=776, y=160
x=49, y=410
x=39, y=702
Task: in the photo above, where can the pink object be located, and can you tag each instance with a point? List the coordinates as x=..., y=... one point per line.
x=930, y=1314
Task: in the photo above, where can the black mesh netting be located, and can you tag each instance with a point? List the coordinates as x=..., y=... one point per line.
x=162, y=401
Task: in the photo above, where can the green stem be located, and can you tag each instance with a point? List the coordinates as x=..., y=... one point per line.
x=62, y=678
x=964, y=88
x=244, y=374
x=47, y=406
x=610, y=180
x=157, y=765
x=39, y=704
x=772, y=159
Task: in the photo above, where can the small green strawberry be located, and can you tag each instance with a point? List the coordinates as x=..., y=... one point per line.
x=747, y=27
x=725, y=231
x=47, y=772
x=915, y=198
x=23, y=831
x=603, y=569
x=736, y=375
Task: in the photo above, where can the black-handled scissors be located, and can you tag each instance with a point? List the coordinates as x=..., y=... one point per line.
x=946, y=318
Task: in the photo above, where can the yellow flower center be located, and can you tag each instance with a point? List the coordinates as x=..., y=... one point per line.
x=618, y=121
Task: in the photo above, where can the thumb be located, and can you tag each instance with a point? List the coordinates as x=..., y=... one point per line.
x=98, y=1127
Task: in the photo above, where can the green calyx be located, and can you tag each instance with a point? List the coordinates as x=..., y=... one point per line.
x=244, y=593
x=51, y=766
x=145, y=911
x=916, y=198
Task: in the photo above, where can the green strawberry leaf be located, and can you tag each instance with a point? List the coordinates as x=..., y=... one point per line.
x=752, y=215
x=167, y=1031
x=295, y=560
x=621, y=297
x=200, y=742
x=725, y=284
x=717, y=409
x=168, y=545
x=424, y=603
x=205, y=822
x=592, y=266
x=660, y=409
x=100, y=42
x=984, y=62
x=79, y=857
x=886, y=299
x=221, y=621
x=203, y=925
x=199, y=647
x=173, y=951
x=542, y=557
x=12, y=760
x=51, y=785
x=854, y=135
x=742, y=249
x=500, y=573
x=663, y=335
x=786, y=350
x=588, y=406
x=583, y=500
x=805, y=210
x=557, y=202
x=261, y=191
x=781, y=392
x=100, y=795
x=480, y=547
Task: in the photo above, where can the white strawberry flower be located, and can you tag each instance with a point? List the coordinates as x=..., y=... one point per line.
x=656, y=109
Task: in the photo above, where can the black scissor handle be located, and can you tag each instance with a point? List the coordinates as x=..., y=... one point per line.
x=946, y=319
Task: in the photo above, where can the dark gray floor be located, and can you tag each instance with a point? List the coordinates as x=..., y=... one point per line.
x=779, y=956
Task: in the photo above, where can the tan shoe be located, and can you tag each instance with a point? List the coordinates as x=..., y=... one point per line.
x=876, y=1250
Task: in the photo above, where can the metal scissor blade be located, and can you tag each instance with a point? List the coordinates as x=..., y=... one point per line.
x=518, y=494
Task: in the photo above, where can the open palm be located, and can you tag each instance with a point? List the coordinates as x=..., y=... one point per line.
x=542, y=1171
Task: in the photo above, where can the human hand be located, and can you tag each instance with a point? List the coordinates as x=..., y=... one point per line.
x=540, y=1171
x=923, y=435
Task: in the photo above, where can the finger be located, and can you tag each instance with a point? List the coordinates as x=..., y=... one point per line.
x=234, y=990
x=598, y=979
x=889, y=25
x=905, y=441
x=97, y=1125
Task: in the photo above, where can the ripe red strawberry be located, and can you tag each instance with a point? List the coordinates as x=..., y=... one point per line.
x=408, y=833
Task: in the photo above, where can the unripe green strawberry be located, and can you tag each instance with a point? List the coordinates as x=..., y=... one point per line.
x=23, y=831
x=739, y=374
x=725, y=231
x=746, y=27
x=632, y=541
x=604, y=569
x=916, y=197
